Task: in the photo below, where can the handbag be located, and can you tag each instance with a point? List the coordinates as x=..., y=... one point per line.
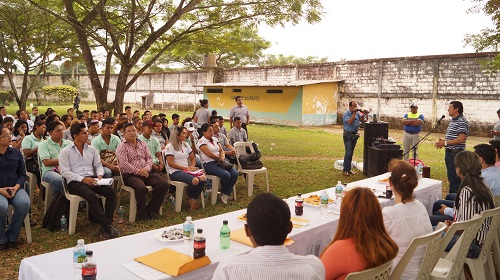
x=224, y=164
x=109, y=157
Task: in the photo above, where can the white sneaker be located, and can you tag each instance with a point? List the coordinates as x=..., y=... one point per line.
x=224, y=198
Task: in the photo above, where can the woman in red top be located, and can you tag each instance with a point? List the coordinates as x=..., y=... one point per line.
x=361, y=241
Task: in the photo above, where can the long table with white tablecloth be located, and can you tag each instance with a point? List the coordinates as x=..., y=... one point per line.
x=115, y=257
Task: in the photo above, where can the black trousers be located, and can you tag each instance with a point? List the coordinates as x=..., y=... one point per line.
x=100, y=215
x=138, y=183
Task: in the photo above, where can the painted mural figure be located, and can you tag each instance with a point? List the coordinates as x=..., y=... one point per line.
x=412, y=122
x=240, y=111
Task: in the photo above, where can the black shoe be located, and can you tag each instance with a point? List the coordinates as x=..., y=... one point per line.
x=104, y=232
x=112, y=231
x=12, y=245
x=3, y=246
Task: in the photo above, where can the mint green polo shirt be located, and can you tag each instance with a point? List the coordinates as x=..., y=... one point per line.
x=30, y=142
x=49, y=149
x=100, y=144
x=153, y=146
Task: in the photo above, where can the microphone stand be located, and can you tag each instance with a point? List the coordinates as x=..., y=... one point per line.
x=414, y=148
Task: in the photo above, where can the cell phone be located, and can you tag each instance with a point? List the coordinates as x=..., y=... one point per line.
x=9, y=191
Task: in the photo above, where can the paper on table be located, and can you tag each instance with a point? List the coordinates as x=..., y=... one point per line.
x=105, y=181
x=240, y=236
x=172, y=262
x=299, y=222
x=145, y=272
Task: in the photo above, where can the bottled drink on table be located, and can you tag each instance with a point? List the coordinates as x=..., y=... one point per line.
x=324, y=203
x=299, y=205
x=339, y=189
x=188, y=234
x=89, y=267
x=64, y=224
x=121, y=213
x=199, y=244
x=225, y=236
x=79, y=253
x=420, y=171
x=388, y=190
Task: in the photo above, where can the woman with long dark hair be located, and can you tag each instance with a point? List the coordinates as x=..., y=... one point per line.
x=30, y=148
x=202, y=116
x=361, y=240
x=473, y=197
x=19, y=132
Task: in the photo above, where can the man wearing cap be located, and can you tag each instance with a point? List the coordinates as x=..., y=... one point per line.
x=412, y=122
x=93, y=130
x=153, y=145
x=240, y=111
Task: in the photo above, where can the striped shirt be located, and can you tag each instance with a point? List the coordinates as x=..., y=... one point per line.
x=457, y=126
x=270, y=262
x=131, y=159
x=468, y=208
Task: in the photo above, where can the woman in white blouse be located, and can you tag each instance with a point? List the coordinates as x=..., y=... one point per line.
x=408, y=218
x=181, y=163
x=211, y=152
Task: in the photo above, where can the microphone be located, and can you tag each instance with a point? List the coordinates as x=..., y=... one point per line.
x=442, y=117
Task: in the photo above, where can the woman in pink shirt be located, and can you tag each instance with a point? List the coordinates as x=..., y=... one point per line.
x=361, y=240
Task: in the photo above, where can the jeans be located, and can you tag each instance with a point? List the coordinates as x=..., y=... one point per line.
x=350, y=141
x=449, y=159
x=227, y=177
x=437, y=217
x=193, y=191
x=55, y=181
x=474, y=250
x=107, y=173
x=101, y=216
x=21, y=203
x=139, y=183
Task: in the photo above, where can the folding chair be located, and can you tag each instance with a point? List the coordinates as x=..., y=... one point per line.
x=240, y=148
x=381, y=272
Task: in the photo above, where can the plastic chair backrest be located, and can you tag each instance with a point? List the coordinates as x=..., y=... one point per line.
x=431, y=241
x=240, y=148
x=496, y=199
x=493, y=217
x=381, y=272
x=458, y=254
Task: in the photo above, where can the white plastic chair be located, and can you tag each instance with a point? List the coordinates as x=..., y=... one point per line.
x=496, y=199
x=27, y=226
x=48, y=191
x=216, y=187
x=381, y=272
x=482, y=267
x=180, y=193
x=240, y=148
x=74, y=202
x=431, y=241
x=32, y=182
x=451, y=266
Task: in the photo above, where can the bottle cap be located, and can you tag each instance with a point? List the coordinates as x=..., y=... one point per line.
x=339, y=183
x=200, y=230
x=89, y=253
x=224, y=222
x=188, y=218
x=80, y=241
x=299, y=194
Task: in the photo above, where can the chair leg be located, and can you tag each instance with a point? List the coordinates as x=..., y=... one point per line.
x=27, y=228
x=48, y=197
x=202, y=196
x=491, y=267
x=133, y=207
x=73, y=212
x=179, y=194
x=267, y=182
x=250, y=180
x=215, y=189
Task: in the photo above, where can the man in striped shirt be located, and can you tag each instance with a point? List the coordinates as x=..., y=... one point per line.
x=454, y=141
x=268, y=224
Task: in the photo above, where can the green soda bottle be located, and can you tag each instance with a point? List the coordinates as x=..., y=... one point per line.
x=225, y=235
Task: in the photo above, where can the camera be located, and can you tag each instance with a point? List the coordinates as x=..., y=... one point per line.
x=359, y=110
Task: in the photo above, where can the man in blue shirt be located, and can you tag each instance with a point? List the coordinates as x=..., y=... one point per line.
x=12, y=177
x=412, y=125
x=351, y=125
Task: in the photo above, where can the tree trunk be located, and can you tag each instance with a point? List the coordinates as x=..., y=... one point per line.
x=121, y=88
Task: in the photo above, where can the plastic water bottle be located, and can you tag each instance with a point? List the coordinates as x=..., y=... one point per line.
x=339, y=188
x=199, y=244
x=79, y=254
x=89, y=267
x=121, y=213
x=420, y=171
x=324, y=204
x=225, y=236
x=188, y=234
x=64, y=224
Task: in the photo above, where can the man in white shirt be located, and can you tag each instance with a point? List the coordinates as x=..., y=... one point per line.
x=77, y=163
x=240, y=111
x=268, y=224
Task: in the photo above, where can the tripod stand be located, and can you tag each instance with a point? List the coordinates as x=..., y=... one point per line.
x=414, y=148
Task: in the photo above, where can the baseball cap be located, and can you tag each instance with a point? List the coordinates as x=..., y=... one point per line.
x=189, y=126
x=413, y=105
x=148, y=123
x=91, y=122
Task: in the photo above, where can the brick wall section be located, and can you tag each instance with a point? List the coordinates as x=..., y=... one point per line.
x=386, y=86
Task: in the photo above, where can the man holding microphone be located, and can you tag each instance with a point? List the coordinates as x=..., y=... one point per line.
x=351, y=125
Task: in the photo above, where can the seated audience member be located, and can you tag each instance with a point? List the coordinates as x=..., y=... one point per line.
x=213, y=118
x=228, y=149
x=175, y=123
x=106, y=144
x=138, y=124
x=80, y=164
x=34, y=114
x=42, y=118
x=237, y=133
x=122, y=120
x=135, y=162
x=70, y=112
x=473, y=197
x=67, y=119
x=164, y=128
x=54, y=118
x=93, y=130
x=23, y=115
x=443, y=209
x=180, y=159
x=30, y=148
x=12, y=177
x=158, y=133
x=496, y=145
x=361, y=240
x=67, y=131
x=268, y=224
x=48, y=151
x=86, y=113
x=408, y=218
x=105, y=114
x=147, y=115
x=19, y=132
x=136, y=114
x=223, y=129
x=153, y=145
x=128, y=113
x=8, y=123
x=210, y=153
x=3, y=113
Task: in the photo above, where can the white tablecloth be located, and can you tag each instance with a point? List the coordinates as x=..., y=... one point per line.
x=111, y=255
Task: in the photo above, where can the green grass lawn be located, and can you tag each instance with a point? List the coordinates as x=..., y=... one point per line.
x=300, y=160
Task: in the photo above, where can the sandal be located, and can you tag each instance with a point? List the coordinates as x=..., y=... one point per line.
x=346, y=173
x=351, y=172
x=192, y=204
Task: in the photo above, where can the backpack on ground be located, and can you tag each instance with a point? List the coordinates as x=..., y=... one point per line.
x=58, y=208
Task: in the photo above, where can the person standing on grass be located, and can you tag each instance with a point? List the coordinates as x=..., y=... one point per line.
x=350, y=135
x=496, y=128
x=454, y=141
x=240, y=111
x=76, y=103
